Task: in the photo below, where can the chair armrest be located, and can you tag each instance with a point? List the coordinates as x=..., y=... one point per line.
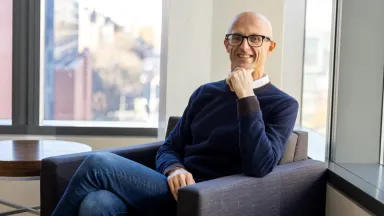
x=56, y=172
x=291, y=189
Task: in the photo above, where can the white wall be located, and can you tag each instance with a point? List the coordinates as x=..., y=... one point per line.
x=338, y=204
x=186, y=59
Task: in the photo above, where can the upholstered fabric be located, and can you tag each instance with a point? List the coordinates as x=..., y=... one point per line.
x=289, y=152
x=292, y=189
x=301, y=152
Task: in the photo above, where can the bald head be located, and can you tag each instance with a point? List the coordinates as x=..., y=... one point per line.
x=245, y=20
x=249, y=42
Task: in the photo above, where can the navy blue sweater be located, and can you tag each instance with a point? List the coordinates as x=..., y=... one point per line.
x=219, y=134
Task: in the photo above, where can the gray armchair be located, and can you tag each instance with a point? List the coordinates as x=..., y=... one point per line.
x=295, y=187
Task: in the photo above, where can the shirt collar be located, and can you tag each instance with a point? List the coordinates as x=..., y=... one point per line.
x=261, y=82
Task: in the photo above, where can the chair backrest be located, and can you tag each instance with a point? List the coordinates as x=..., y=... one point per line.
x=296, y=148
x=172, y=122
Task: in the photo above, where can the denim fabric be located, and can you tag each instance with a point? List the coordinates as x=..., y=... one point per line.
x=102, y=202
x=109, y=181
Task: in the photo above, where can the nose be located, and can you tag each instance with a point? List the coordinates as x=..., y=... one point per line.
x=244, y=45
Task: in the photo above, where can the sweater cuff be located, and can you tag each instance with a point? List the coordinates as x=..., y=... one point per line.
x=171, y=167
x=247, y=105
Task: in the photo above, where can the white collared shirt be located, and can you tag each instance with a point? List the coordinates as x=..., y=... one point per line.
x=261, y=82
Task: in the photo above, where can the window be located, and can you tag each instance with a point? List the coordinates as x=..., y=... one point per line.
x=100, y=63
x=6, y=62
x=317, y=71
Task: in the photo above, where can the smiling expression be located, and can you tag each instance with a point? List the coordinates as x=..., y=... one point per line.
x=244, y=55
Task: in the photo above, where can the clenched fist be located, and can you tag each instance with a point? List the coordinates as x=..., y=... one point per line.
x=179, y=178
x=240, y=81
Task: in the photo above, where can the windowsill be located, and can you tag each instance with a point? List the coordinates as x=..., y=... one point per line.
x=78, y=131
x=363, y=183
x=101, y=124
x=371, y=173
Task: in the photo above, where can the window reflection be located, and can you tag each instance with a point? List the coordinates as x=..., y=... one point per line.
x=101, y=63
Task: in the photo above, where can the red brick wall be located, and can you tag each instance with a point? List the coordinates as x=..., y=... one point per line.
x=73, y=91
x=5, y=59
x=64, y=94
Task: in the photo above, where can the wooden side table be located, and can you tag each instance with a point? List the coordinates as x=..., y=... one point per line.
x=21, y=160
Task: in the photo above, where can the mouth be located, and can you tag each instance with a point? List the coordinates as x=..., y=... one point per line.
x=244, y=56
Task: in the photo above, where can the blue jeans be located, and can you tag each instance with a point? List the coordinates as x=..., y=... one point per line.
x=108, y=184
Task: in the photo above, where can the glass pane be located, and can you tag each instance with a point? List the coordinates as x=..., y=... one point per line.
x=317, y=70
x=6, y=62
x=101, y=63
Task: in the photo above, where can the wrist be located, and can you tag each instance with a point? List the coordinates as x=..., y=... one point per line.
x=173, y=170
x=246, y=94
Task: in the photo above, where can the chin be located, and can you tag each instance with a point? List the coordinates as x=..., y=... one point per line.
x=246, y=65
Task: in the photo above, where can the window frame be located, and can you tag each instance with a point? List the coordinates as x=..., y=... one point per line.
x=381, y=156
x=26, y=62
x=313, y=135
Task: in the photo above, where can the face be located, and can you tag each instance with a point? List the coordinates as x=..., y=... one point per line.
x=244, y=55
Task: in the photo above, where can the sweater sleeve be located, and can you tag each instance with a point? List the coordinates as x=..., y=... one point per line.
x=171, y=153
x=262, y=143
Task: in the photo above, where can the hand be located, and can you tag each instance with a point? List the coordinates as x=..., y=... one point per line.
x=240, y=81
x=179, y=178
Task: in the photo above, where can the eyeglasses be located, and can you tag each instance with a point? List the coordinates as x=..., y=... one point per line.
x=253, y=40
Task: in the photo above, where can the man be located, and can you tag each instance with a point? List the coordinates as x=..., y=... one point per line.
x=237, y=125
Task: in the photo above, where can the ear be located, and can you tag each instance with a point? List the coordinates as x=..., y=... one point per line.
x=271, y=47
x=227, y=46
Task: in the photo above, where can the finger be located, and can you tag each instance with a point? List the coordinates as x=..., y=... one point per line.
x=190, y=179
x=176, y=184
x=234, y=76
x=227, y=80
x=182, y=181
x=244, y=73
x=172, y=187
x=174, y=194
x=236, y=69
x=230, y=85
x=250, y=71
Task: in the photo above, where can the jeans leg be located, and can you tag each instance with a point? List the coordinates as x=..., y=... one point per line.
x=136, y=185
x=102, y=203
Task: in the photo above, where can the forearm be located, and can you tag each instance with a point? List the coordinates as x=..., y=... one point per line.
x=170, y=154
x=167, y=159
x=257, y=152
x=261, y=143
